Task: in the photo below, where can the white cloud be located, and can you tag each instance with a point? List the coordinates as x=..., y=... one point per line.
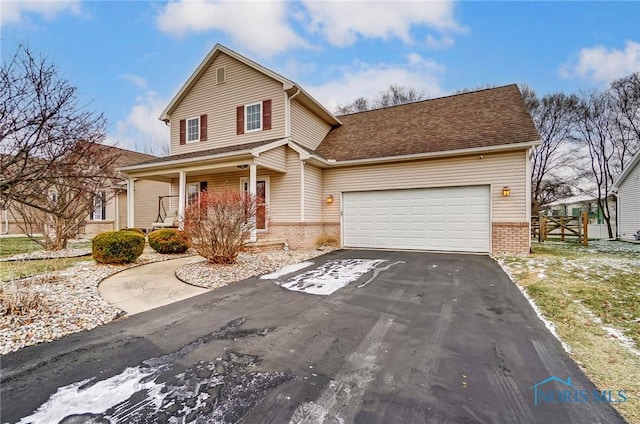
x=141, y=128
x=439, y=43
x=343, y=22
x=260, y=27
x=136, y=80
x=603, y=65
x=14, y=11
x=367, y=80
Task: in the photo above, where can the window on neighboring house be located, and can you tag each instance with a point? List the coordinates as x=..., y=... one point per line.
x=98, y=213
x=253, y=117
x=193, y=130
x=53, y=196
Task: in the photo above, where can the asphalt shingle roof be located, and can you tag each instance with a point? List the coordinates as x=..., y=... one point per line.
x=209, y=152
x=485, y=118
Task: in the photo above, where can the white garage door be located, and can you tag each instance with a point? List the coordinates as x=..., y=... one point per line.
x=451, y=219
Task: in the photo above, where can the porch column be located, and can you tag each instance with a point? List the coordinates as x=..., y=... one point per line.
x=182, y=190
x=253, y=176
x=130, y=204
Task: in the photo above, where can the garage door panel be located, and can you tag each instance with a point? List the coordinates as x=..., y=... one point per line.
x=453, y=218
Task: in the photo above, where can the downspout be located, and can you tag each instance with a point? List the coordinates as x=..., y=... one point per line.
x=5, y=214
x=288, y=112
x=615, y=194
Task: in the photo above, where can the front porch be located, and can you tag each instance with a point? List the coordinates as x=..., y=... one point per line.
x=290, y=191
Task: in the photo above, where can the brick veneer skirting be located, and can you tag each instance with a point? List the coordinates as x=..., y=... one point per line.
x=507, y=237
x=302, y=235
x=510, y=237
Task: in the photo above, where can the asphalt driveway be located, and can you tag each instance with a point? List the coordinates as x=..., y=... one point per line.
x=418, y=338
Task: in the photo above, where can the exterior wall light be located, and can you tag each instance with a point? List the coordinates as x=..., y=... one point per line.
x=506, y=191
x=329, y=199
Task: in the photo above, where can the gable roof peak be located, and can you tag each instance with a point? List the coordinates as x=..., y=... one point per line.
x=287, y=84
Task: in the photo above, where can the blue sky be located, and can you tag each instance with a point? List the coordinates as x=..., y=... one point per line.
x=128, y=58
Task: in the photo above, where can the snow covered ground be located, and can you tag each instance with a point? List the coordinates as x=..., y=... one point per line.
x=594, y=265
x=326, y=278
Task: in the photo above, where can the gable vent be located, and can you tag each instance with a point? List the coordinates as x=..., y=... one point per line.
x=221, y=75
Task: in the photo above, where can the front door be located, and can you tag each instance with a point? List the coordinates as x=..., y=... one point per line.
x=261, y=204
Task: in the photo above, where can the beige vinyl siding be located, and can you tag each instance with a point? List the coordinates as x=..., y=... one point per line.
x=110, y=207
x=284, y=188
x=306, y=128
x=275, y=159
x=629, y=205
x=122, y=210
x=219, y=101
x=146, y=194
x=313, y=199
x=498, y=170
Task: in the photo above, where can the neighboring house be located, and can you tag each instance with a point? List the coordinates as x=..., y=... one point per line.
x=109, y=209
x=449, y=174
x=628, y=192
x=573, y=206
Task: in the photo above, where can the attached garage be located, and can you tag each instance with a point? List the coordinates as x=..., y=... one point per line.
x=453, y=219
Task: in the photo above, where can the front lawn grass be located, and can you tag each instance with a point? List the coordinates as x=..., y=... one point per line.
x=10, y=246
x=14, y=270
x=590, y=293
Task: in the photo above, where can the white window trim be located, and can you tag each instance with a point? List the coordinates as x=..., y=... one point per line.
x=94, y=216
x=267, y=195
x=186, y=136
x=246, y=119
x=197, y=186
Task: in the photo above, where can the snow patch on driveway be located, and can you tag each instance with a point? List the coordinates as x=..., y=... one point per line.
x=331, y=276
x=286, y=270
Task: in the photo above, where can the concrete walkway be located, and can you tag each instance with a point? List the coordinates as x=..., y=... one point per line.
x=148, y=286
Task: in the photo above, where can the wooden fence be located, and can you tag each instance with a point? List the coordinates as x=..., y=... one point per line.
x=543, y=226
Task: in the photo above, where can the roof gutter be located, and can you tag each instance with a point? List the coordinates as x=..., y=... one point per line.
x=430, y=155
x=255, y=152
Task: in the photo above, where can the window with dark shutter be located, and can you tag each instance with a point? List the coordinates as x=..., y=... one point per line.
x=203, y=186
x=266, y=114
x=240, y=120
x=183, y=131
x=203, y=127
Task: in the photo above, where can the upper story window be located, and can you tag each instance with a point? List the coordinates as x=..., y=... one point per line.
x=253, y=118
x=193, y=129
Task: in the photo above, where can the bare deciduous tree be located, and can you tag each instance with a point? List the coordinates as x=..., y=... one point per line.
x=607, y=122
x=49, y=145
x=625, y=102
x=553, y=115
x=394, y=95
x=594, y=119
x=158, y=147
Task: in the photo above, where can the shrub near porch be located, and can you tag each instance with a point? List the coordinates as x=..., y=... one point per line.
x=220, y=224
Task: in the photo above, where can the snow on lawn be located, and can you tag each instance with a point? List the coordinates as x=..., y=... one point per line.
x=550, y=326
x=614, y=333
x=286, y=270
x=331, y=276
